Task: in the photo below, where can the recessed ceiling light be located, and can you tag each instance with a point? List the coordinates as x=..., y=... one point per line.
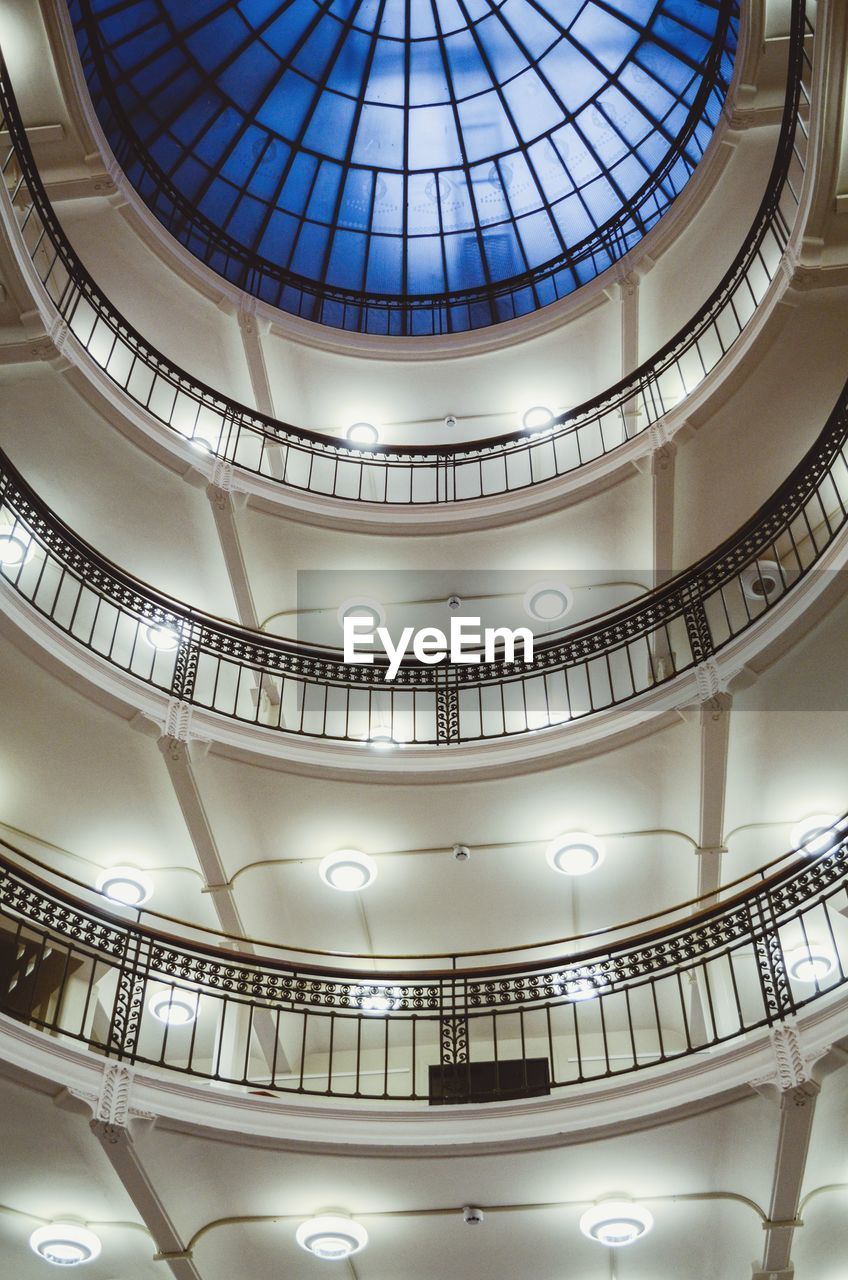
x=176, y=1008
x=14, y=550
x=537, y=418
x=201, y=444
x=815, y=834
x=762, y=580
x=162, y=637
x=575, y=854
x=125, y=884
x=547, y=601
x=65, y=1244
x=616, y=1222
x=810, y=964
x=363, y=433
x=331, y=1237
x=348, y=870
x=362, y=607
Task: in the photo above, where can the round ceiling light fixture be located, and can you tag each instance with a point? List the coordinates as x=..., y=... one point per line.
x=125, y=884
x=15, y=550
x=575, y=853
x=202, y=443
x=364, y=433
x=162, y=637
x=175, y=1007
x=362, y=607
x=547, y=602
x=537, y=418
x=65, y=1244
x=348, y=870
x=762, y=580
x=816, y=834
x=331, y=1237
x=616, y=1222
x=575, y=985
x=810, y=963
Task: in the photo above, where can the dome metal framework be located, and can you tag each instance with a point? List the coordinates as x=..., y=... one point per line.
x=408, y=166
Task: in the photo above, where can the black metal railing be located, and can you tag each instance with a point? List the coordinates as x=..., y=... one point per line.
x=410, y=475
x=306, y=691
x=700, y=102
x=89, y=973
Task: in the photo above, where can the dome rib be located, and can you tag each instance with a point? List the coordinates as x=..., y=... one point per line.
x=400, y=167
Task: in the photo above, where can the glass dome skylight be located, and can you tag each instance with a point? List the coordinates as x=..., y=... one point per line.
x=408, y=166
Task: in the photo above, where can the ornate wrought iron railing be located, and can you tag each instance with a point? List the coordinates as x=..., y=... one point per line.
x=97, y=976
x=308, y=692
x=411, y=475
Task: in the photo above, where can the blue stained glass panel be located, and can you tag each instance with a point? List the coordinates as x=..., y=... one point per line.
x=408, y=168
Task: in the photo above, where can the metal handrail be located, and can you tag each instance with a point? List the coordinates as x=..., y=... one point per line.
x=94, y=976
x=308, y=691
x=307, y=461
x=450, y=311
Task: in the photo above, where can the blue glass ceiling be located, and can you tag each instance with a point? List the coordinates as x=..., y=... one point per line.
x=408, y=166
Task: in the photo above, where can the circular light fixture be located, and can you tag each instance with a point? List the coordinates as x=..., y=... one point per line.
x=201, y=444
x=815, y=834
x=575, y=854
x=348, y=870
x=125, y=884
x=331, y=1237
x=547, y=602
x=65, y=1244
x=537, y=418
x=14, y=550
x=380, y=998
x=809, y=964
x=762, y=580
x=363, y=433
x=176, y=1007
x=362, y=607
x=162, y=637
x=616, y=1222
x=575, y=985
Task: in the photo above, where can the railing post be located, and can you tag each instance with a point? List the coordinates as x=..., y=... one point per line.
x=185, y=663
x=447, y=706
x=129, y=998
x=774, y=982
x=697, y=624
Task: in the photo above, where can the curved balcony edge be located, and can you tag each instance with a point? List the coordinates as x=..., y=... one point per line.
x=417, y=486
x=679, y=1007
x=690, y=634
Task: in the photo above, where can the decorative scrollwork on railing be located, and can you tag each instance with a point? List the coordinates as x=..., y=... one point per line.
x=226, y=669
x=123, y=989
x=416, y=475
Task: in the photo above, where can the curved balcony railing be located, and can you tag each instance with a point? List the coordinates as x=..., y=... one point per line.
x=305, y=691
x=410, y=475
x=96, y=976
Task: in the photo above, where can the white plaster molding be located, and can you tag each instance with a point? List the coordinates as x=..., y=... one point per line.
x=111, y=1103
x=711, y=680
x=793, y=1062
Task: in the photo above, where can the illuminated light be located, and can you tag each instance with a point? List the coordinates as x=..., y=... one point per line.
x=816, y=834
x=810, y=964
x=176, y=1008
x=363, y=433
x=762, y=580
x=575, y=984
x=547, y=602
x=127, y=885
x=380, y=999
x=14, y=550
x=362, y=607
x=575, y=854
x=202, y=444
x=616, y=1222
x=538, y=418
x=348, y=870
x=65, y=1244
x=331, y=1237
x=162, y=637
x=382, y=740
